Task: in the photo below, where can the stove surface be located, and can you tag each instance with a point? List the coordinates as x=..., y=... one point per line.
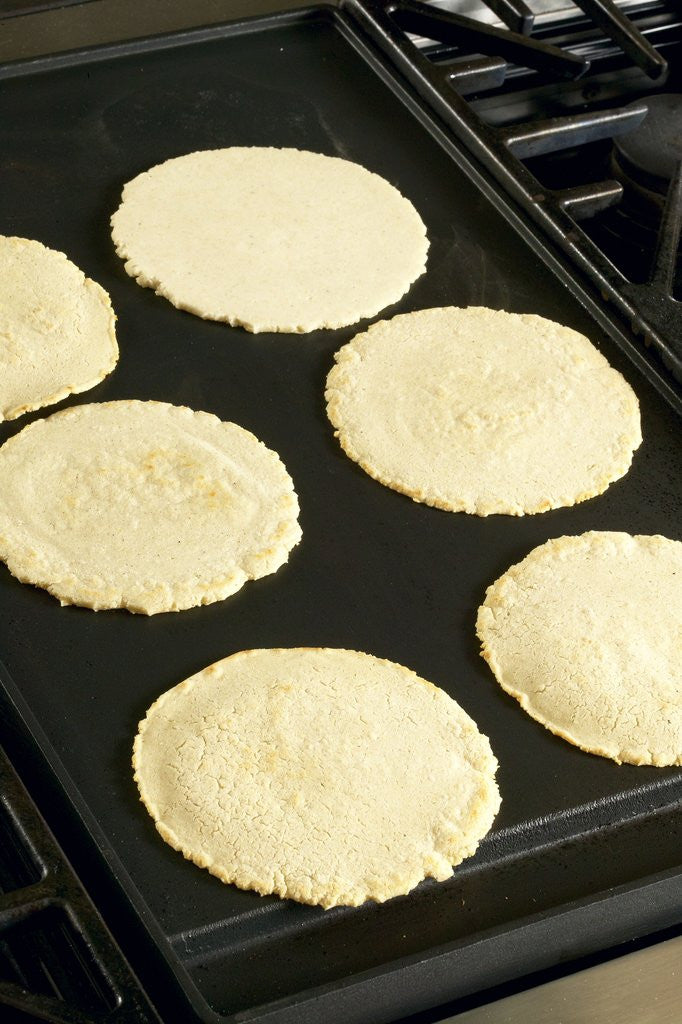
x=559, y=131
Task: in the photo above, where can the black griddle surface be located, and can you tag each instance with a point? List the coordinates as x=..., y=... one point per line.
x=375, y=571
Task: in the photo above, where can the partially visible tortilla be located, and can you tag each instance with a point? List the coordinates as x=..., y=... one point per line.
x=270, y=239
x=326, y=776
x=142, y=505
x=586, y=633
x=57, y=331
x=481, y=411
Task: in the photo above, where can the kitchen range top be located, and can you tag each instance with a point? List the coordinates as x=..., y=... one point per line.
x=535, y=141
x=578, y=123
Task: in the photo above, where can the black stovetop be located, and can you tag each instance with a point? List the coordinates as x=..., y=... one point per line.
x=76, y=130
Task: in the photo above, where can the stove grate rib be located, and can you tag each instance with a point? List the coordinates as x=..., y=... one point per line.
x=611, y=20
x=541, y=137
x=515, y=14
x=58, y=961
x=456, y=29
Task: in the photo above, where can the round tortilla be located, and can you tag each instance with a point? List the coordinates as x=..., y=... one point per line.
x=586, y=633
x=481, y=411
x=142, y=505
x=327, y=776
x=56, y=328
x=270, y=239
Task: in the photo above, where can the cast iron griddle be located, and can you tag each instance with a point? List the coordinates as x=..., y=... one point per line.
x=375, y=571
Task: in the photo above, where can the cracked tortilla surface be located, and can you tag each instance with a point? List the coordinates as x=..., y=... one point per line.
x=57, y=333
x=142, y=505
x=586, y=633
x=270, y=239
x=481, y=411
x=327, y=776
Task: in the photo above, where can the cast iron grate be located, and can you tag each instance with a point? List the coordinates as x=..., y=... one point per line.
x=58, y=961
x=474, y=58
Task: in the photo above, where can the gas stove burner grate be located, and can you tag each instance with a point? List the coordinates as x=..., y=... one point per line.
x=516, y=45
x=445, y=27
x=471, y=61
x=57, y=958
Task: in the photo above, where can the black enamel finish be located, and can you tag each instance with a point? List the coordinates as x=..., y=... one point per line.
x=375, y=571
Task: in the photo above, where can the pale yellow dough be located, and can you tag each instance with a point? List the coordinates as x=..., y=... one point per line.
x=327, y=776
x=270, y=239
x=56, y=328
x=481, y=411
x=142, y=505
x=586, y=633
